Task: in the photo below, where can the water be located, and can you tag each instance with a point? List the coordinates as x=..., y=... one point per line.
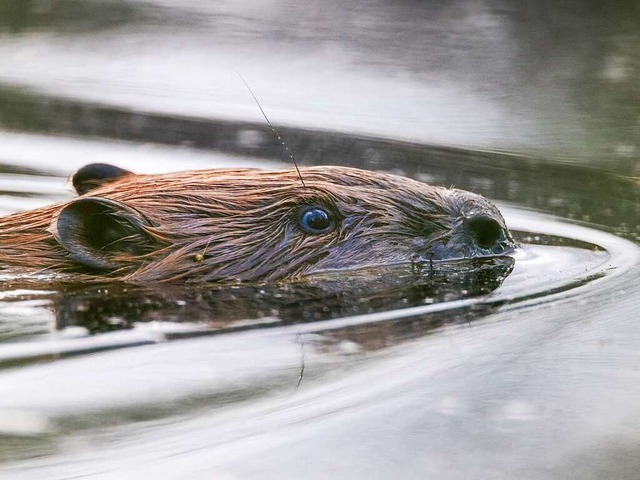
x=522, y=367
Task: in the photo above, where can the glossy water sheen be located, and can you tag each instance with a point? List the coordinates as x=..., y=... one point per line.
x=519, y=367
x=256, y=381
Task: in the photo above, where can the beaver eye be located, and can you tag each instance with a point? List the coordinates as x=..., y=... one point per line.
x=316, y=221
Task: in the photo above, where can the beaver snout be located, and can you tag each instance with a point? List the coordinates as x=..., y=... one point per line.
x=478, y=235
x=485, y=231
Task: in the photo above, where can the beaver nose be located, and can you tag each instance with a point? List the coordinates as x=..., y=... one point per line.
x=486, y=231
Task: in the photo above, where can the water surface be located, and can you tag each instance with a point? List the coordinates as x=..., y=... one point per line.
x=519, y=367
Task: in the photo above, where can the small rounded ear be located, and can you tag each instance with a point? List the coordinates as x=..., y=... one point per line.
x=96, y=231
x=95, y=175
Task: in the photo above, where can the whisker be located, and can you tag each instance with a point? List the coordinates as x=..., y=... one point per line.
x=295, y=164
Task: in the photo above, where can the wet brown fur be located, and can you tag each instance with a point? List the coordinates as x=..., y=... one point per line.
x=241, y=224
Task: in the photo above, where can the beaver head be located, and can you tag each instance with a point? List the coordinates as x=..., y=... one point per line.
x=249, y=224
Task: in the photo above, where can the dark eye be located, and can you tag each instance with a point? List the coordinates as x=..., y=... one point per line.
x=316, y=221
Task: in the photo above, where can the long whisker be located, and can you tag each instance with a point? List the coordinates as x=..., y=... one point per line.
x=295, y=164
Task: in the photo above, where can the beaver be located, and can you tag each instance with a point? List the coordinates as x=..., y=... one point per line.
x=248, y=225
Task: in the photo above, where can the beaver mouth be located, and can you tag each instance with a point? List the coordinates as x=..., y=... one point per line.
x=445, y=251
x=472, y=237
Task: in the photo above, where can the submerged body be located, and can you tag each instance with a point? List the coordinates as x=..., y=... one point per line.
x=248, y=225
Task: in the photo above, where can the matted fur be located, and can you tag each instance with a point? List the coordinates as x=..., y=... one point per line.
x=226, y=225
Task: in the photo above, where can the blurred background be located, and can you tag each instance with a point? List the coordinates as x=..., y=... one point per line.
x=546, y=78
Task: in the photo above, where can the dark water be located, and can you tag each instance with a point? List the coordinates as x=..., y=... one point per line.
x=522, y=367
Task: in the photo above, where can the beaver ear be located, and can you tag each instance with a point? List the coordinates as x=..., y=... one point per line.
x=95, y=175
x=95, y=231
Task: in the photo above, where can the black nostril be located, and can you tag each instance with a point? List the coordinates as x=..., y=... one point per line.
x=485, y=230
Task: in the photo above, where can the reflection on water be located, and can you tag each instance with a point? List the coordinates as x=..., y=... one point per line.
x=109, y=307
